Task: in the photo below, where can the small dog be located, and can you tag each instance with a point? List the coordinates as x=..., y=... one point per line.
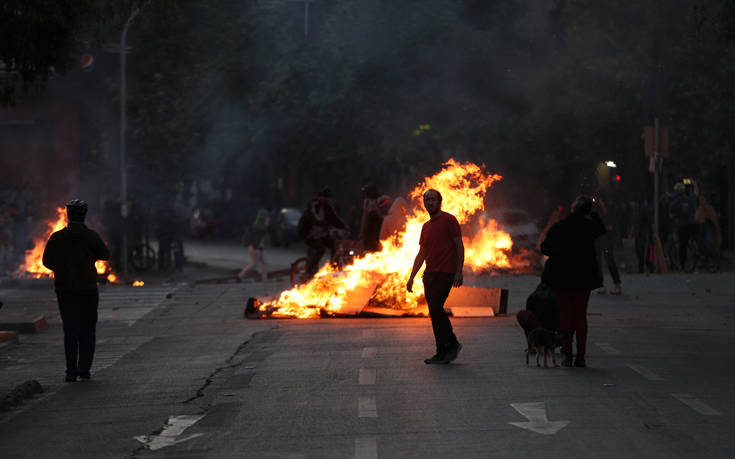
x=543, y=341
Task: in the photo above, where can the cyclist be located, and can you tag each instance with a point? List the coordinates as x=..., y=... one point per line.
x=682, y=210
x=315, y=227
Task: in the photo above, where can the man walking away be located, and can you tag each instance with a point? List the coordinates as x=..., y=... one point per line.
x=442, y=249
x=71, y=253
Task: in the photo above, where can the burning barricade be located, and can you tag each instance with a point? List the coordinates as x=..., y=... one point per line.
x=33, y=266
x=376, y=282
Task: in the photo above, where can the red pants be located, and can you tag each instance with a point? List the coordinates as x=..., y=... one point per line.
x=573, y=317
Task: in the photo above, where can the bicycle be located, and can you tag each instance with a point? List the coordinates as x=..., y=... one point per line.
x=345, y=250
x=142, y=257
x=700, y=251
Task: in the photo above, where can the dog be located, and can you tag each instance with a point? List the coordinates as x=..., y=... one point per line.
x=542, y=340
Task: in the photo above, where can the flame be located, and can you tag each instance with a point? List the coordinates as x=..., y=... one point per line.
x=138, y=283
x=33, y=264
x=487, y=247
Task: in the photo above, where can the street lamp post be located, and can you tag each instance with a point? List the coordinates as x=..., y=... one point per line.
x=123, y=127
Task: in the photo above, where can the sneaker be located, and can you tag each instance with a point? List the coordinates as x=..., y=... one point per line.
x=86, y=375
x=568, y=360
x=452, y=353
x=601, y=291
x=617, y=290
x=439, y=357
x=579, y=362
x=69, y=378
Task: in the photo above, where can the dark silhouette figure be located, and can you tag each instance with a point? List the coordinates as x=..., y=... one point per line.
x=683, y=209
x=605, y=245
x=71, y=253
x=571, y=271
x=315, y=227
x=372, y=219
x=541, y=311
x=442, y=249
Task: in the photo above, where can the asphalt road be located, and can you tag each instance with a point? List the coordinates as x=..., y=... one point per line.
x=186, y=376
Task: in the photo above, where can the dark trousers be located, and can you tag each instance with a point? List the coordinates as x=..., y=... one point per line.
x=79, y=316
x=685, y=232
x=315, y=251
x=573, y=317
x=604, y=245
x=436, y=290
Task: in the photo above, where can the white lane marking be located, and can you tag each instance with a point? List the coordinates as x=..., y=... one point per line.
x=368, y=352
x=175, y=426
x=366, y=448
x=366, y=407
x=367, y=376
x=535, y=412
x=697, y=405
x=645, y=372
x=368, y=333
x=607, y=348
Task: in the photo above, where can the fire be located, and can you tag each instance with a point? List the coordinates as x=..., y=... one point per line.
x=138, y=283
x=33, y=265
x=487, y=247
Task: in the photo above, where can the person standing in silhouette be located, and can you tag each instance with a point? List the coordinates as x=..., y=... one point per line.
x=442, y=249
x=71, y=253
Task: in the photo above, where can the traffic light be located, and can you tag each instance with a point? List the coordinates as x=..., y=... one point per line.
x=617, y=177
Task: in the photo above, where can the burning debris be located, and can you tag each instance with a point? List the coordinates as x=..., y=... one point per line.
x=379, y=278
x=33, y=265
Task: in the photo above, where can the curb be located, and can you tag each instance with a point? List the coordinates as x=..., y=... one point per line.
x=8, y=336
x=37, y=325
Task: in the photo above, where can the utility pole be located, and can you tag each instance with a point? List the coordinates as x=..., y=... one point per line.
x=656, y=184
x=306, y=14
x=123, y=127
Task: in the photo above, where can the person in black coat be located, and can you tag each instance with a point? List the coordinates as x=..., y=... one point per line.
x=571, y=272
x=71, y=253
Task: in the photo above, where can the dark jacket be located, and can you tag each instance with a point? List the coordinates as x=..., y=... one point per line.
x=70, y=253
x=543, y=305
x=569, y=244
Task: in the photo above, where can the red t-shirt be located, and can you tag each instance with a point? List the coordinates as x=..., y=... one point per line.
x=437, y=240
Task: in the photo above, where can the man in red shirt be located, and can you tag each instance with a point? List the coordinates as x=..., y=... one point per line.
x=442, y=249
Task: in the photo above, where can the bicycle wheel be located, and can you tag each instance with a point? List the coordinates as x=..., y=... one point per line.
x=692, y=254
x=142, y=257
x=298, y=271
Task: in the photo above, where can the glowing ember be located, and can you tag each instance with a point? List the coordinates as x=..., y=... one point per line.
x=33, y=265
x=138, y=283
x=487, y=247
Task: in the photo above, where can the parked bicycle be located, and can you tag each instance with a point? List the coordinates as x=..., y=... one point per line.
x=700, y=252
x=142, y=257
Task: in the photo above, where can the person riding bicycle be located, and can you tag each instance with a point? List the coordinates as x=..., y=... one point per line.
x=682, y=210
x=314, y=228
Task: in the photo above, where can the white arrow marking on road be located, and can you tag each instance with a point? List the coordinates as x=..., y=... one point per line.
x=175, y=426
x=535, y=412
